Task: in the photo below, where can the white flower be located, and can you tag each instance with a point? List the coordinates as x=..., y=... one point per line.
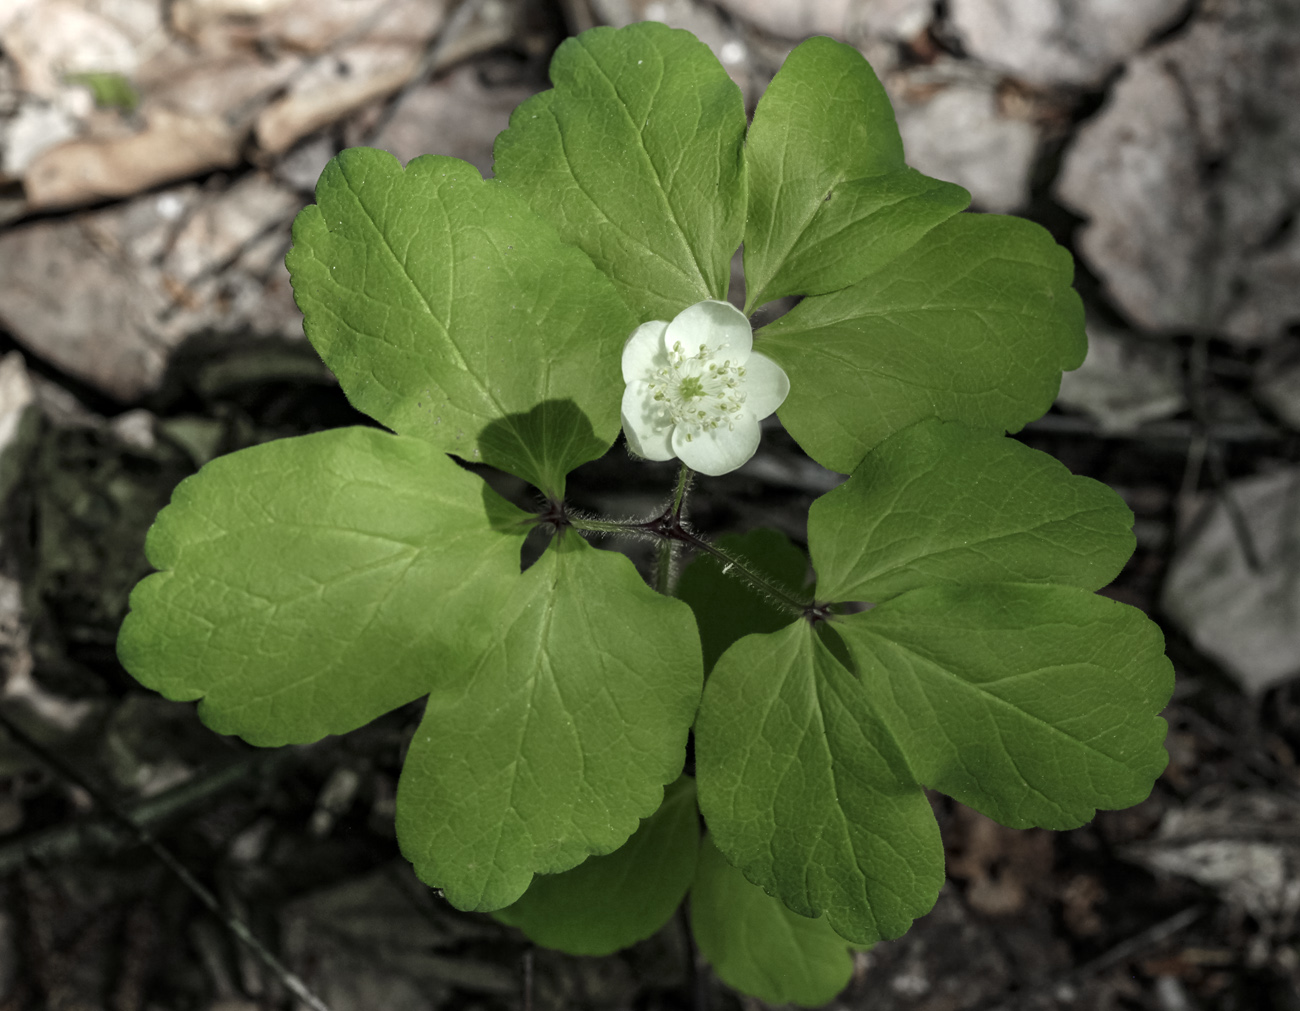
x=696, y=389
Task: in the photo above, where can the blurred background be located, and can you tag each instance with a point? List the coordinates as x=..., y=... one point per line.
x=153, y=154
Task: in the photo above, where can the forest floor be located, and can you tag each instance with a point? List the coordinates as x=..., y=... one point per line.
x=146, y=327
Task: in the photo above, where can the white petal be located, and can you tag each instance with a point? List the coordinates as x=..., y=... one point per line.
x=644, y=351
x=718, y=451
x=766, y=385
x=648, y=427
x=712, y=323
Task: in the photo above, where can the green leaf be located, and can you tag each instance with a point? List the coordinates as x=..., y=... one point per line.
x=312, y=584
x=109, y=89
x=940, y=504
x=1034, y=704
x=636, y=157
x=610, y=902
x=830, y=199
x=973, y=323
x=447, y=308
x=575, y=718
x=806, y=792
x=727, y=608
x=758, y=946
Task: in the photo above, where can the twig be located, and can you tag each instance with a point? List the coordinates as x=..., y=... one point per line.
x=1148, y=938
x=107, y=835
x=146, y=838
x=1125, y=949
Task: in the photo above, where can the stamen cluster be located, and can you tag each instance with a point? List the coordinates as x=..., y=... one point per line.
x=700, y=392
x=703, y=407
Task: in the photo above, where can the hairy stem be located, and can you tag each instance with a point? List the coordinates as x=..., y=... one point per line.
x=735, y=566
x=669, y=528
x=666, y=569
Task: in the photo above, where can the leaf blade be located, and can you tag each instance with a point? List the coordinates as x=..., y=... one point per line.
x=940, y=504
x=830, y=197
x=613, y=901
x=973, y=323
x=635, y=156
x=1036, y=705
x=574, y=720
x=290, y=567
x=447, y=308
x=757, y=945
x=804, y=790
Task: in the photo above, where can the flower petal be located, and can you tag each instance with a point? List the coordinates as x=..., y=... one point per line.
x=719, y=450
x=766, y=385
x=647, y=425
x=644, y=352
x=713, y=324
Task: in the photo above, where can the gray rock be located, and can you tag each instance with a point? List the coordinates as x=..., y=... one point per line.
x=107, y=295
x=1190, y=175
x=457, y=114
x=1247, y=618
x=1047, y=42
x=849, y=20
x=1277, y=383
x=953, y=129
x=1123, y=382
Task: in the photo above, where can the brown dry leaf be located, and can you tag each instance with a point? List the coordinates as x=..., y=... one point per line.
x=169, y=147
x=304, y=26
x=49, y=40
x=1001, y=866
x=334, y=87
x=1080, y=898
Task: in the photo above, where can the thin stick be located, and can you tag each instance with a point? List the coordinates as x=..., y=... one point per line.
x=232, y=923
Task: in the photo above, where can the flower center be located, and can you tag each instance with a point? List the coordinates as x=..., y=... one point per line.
x=700, y=391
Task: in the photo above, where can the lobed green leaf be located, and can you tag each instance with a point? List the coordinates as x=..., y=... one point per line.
x=574, y=718
x=973, y=323
x=636, y=157
x=451, y=312
x=757, y=945
x=613, y=901
x=941, y=504
x=1033, y=704
x=805, y=791
x=830, y=200
x=312, y=584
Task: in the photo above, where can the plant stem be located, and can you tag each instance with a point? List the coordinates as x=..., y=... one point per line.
x=736, y=566
x=666, y=570
x=664, y=567
x=671, y=530
x=684, y=477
